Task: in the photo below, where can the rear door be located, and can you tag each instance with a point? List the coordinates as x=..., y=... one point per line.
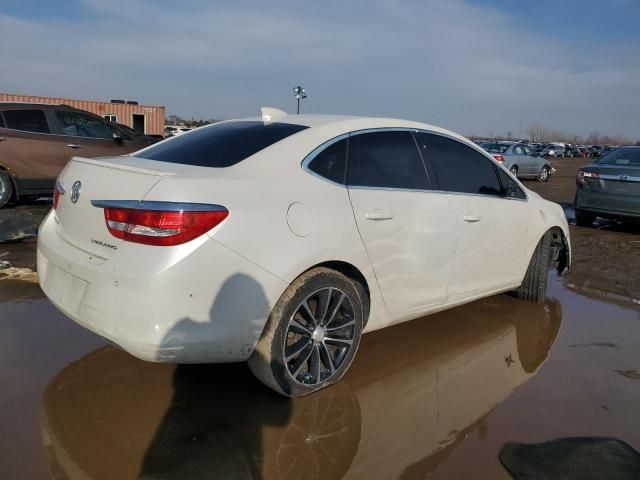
x=492, y=227
x=88, y=135
x=28, y=148
x=408, y=228
x=523, y=160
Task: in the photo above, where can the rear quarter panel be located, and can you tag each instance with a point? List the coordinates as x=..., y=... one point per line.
x=281, y=217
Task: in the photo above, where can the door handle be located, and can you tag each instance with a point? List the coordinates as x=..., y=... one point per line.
x=379, y=215
x=74, y=145
x=472, y=218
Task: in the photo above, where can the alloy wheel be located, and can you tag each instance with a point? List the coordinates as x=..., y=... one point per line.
x=544, y=173
x=319, y=336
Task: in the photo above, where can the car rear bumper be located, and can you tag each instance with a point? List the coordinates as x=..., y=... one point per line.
x=199, y=303
x=607, y=204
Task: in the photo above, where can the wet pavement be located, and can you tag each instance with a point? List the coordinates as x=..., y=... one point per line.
x=434, y=398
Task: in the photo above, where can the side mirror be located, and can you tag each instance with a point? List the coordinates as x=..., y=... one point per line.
x=117, y=138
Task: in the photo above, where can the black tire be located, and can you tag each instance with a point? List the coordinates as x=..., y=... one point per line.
x=534, y=285
x=514, y=170
x=544, y=174
x=268, y=359
x=584, y=219
x=6, y=188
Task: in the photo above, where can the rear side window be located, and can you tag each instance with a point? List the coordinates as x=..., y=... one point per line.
x=27, y=120
x=330, y=163
x=386, y=159
x=459, y=168
x=220, y=145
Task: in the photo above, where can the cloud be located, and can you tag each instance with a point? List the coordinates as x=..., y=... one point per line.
x=470, y=68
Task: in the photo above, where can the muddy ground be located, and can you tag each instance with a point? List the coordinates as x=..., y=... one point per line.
x=434, y=398
x=606, y=257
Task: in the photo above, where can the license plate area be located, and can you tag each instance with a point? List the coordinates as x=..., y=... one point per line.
x=63, y=288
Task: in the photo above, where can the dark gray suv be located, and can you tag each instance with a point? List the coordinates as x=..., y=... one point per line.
x=609, y=187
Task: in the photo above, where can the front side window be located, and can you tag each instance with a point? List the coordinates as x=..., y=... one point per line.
x=220, y=145
x=330, y=163
x=459, y=168
x=496, y=148
x=76, y=124
x=527, y=150
x=27, y=120
x=388, y=159
x=518, y=150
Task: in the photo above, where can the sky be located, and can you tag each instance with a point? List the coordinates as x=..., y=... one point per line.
x=477, y=67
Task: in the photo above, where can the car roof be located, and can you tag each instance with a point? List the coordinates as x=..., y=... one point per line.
x=37, y=104
x=351, y=123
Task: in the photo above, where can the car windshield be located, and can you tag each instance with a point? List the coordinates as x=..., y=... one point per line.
x=220, y=145
x=623, y=157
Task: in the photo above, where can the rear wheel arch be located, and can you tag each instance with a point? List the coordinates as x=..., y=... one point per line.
x=353, y=273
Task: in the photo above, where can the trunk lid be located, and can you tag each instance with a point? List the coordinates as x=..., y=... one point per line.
x=119, y=178
x=614, y=179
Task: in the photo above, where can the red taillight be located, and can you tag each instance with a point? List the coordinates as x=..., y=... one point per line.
x=499, y=158
x=57, y=191
x=164, y=228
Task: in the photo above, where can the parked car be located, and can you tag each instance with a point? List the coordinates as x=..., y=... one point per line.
x=595, y=151
x=281, y=239
x=584, y=152
x=175, y=130
x=147, y=137
x=521, y=160
x=609, y=187
x=37, y=141
x=552, y=151
x=575, y=152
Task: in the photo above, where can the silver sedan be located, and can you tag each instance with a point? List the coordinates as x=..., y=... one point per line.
x=520, y=160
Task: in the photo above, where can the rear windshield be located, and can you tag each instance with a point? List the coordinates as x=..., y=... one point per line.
x=622, y=157
x=220, y=145
x=496, y=147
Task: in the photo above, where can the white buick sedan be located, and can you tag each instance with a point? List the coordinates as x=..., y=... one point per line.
x=282, y=239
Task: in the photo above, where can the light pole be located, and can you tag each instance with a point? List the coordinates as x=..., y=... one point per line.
x=299, y=92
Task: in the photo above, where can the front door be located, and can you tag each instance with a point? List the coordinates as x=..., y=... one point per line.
x=408, y=230
x=88, y=135
x=492, y=228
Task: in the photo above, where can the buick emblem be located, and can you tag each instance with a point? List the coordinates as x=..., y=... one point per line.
x=75, y=191
x=624, y=176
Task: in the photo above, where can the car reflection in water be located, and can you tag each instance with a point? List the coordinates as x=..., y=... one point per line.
x=414, y=391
